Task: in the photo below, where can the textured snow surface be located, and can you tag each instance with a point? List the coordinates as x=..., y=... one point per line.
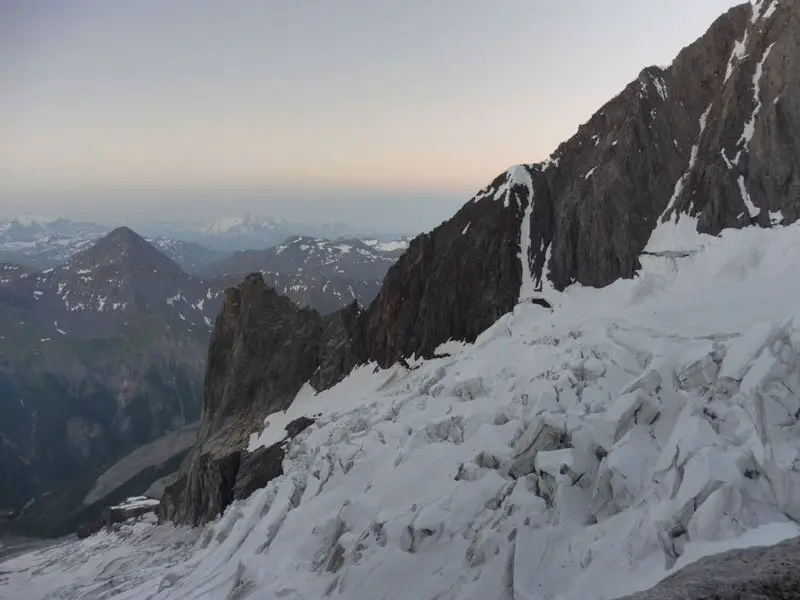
x=576, y=454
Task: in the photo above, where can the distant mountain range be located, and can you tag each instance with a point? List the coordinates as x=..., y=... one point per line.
x=45, y=242
x=315, y=272
x=251, y=232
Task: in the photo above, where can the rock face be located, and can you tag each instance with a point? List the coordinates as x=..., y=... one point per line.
x=263, y=349
x=712, y=140
x=748, y=574
x=714, y=137
x=339, y=351
x=453, y=282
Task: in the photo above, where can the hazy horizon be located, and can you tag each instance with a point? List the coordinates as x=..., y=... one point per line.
x=372, y=113
x=366, y=209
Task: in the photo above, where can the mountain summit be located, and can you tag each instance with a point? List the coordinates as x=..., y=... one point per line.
x=101, y=355
x=129, y=270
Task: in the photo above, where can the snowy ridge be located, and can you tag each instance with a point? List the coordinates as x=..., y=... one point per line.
x=515, y=176
x=323, y=253
x=582, y=453
x=749, y=131
x=737, y=54
x=503, y=188
x=527, y=286
x=503, y=185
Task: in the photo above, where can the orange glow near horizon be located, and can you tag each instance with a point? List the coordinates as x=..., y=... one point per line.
x=395, y=96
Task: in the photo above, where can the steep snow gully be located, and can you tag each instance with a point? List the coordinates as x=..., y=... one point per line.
x=581, y=453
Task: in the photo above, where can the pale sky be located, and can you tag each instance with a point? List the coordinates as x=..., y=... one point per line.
x=153, y=108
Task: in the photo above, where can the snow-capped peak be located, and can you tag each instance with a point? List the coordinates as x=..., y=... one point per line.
x=29, y=220
x=247, y=225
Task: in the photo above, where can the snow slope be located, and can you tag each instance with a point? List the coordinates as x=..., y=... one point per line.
x=577, y=454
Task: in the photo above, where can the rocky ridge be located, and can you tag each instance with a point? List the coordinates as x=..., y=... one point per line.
x=710, y=141
x=323, y=274
x=263, y=349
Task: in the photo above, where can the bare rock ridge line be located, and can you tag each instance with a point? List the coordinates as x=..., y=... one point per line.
x=263, y=349
x=714, y=138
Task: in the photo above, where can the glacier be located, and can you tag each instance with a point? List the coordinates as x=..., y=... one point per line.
x=584, y=452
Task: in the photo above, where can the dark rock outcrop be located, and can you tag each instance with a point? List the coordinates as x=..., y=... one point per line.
x=172, y=497
x=749, y=574
x=263, y=350
x=257, y=470
x=120, y=514
x=90, y=528
x=220, y=481
x=340, y=351
x=453, y=282
x=209, y=486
